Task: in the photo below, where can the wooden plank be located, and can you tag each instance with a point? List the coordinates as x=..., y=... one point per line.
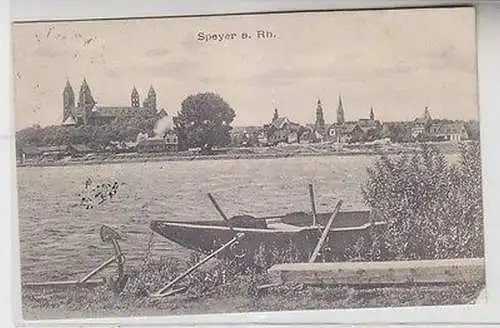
x=326, y=230
x=65, y=284
x=283, y=226
x=313, y=203
x=381, y=273
x=174, y=291
x=267, y=286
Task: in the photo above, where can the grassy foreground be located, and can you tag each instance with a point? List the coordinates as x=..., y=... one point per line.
x=218, y=288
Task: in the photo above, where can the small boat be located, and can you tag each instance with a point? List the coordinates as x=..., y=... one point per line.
x=267, y=240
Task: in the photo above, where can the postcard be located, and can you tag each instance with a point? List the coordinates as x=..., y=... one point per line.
x=248, y=163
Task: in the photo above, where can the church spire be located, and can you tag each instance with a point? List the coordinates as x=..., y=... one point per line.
x=372, y=114
x=68, y=95
x=340, y=112
x=68, y=100
x=86, y=101
x=276, y=115
x=427, y=114
x=134, y=98
x=150, y=101
x=320, y=119
x=85, y=98
x=151, y=91
x=68, y=87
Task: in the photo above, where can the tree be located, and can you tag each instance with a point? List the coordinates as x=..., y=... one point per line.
x=372, y=135
x=433, y=209
x=399, y=132
x=301, y=130
x=473, y=129
x=204, y=121
x=29, y=136
x=127, y=127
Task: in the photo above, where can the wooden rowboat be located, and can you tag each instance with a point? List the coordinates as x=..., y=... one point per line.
x=268, y=240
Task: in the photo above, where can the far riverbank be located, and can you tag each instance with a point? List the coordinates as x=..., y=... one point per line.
x=286, y=151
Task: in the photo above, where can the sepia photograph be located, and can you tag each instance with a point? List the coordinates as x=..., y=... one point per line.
x=261, y=162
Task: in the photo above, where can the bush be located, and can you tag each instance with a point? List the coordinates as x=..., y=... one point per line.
x=433, y=209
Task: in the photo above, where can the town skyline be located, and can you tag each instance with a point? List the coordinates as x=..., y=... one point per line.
x=330, y=114
x=390, y=67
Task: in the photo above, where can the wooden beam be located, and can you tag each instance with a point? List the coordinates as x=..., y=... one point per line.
x=326, y=230
x=65, y=284
x=313, y=203
x=98, y=269
x=390, y=273
x=162, y=292
x=173, y=291
x=267, y=286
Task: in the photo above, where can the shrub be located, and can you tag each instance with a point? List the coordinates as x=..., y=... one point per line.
x=433, y=209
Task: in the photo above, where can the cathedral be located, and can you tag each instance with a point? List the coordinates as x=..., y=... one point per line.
x=87, y=112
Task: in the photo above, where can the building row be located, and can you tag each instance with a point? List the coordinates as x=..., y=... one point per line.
x=283, y=130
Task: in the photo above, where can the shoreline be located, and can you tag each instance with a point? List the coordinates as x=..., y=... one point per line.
x=238, y=153
x=176, y=158
x=138, y=158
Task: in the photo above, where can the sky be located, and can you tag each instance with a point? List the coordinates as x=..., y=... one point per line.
x=396, y=61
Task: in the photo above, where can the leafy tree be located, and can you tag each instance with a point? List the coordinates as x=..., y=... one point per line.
x=433, y=209
x=56, y=135
x=372, y=135
x=29, y=136
x=300, y=131
x=126, y=128
x=204, y=121
x=401, y=132
x=472, y=128
x=424, y=137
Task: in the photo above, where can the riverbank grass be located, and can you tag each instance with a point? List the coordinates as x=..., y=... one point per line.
x=221, y=288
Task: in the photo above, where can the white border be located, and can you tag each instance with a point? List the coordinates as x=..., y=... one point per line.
x=23, y=10
x=489, y=76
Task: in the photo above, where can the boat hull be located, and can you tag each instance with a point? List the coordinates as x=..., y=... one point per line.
x=280, y=241
x=256, y=246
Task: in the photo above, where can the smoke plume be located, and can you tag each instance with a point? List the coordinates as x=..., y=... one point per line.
x=162, y=126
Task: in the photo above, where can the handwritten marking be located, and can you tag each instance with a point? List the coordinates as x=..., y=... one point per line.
x=97, y=195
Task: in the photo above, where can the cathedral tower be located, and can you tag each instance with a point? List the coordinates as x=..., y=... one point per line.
x=68, y=100
x=134, y=98
x=86, y=102
x=150, y=101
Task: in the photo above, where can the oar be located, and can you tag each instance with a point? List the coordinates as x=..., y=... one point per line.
x=322, y=239
x=217, y=207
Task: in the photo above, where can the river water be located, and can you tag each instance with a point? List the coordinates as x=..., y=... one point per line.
x=59, y=237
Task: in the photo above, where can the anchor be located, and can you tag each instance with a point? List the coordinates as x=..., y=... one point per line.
x=108, y=235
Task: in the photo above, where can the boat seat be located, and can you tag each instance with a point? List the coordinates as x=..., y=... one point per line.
x=283, y=226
